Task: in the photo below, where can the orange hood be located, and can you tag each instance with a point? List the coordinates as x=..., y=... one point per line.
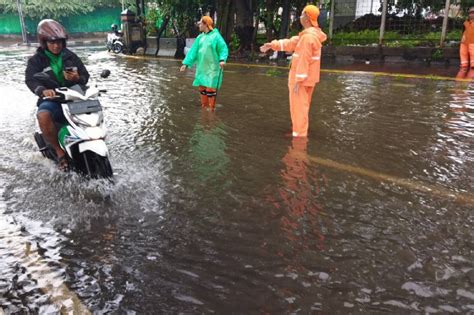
x=315, y=31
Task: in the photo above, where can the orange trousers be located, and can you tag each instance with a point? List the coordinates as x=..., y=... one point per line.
x=300, y=102
x=466, y=53
x=208, y=97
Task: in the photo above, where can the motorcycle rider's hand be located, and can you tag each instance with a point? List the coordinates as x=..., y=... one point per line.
x=71, y=76
x=183, y=68
x=49, y=93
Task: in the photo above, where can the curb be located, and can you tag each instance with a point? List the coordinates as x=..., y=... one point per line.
x=323, y=70
x=86, y=43
x=74, y=43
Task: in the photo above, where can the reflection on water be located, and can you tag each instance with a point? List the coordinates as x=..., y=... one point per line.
x=461, y=109
x=299, y=193
x=454, y=141
x=208, y=157
x=217, y=212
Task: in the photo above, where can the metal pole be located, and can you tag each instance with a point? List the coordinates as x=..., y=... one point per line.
x=445, y=24
x=123, y=6
x=331, y=19
x=22, y=22
x=382, y=23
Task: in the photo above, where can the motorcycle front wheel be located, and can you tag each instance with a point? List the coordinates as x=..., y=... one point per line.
x=95, y=166
x=117, y=48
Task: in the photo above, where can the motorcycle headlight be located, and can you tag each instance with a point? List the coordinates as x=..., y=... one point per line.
x=85, y=120
x=78, y=121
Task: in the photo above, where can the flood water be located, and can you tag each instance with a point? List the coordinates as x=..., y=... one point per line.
x=220, y=212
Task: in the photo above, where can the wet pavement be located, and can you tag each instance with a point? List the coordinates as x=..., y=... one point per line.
x=220, y=212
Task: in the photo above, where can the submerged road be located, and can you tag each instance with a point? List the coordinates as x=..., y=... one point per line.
x=219, y=212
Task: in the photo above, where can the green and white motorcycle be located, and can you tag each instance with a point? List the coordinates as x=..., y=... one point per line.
x=83, y=137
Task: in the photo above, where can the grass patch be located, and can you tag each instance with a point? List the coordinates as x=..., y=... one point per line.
x=393, y=39
x=273, y=72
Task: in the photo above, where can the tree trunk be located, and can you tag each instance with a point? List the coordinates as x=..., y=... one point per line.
x=245, y=11
x=212, y=10
x=225, y=18
x=285, y=23
x=255, y=30
x=159, y=32
x=269, y=18
x=299, y=9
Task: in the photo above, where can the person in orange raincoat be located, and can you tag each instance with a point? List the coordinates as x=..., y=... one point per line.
x=305, y=67
x=466, y=48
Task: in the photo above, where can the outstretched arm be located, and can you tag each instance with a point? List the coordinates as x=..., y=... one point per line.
x=191, y=57
x=281, y=45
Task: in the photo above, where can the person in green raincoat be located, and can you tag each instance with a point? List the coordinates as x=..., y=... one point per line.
x=209, y=52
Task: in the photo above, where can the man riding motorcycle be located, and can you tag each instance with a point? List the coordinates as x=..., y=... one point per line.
x=65, y=68
x=116, y=31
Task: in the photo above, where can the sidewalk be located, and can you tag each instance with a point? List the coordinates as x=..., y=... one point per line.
x=370, y=59
x=87, y=41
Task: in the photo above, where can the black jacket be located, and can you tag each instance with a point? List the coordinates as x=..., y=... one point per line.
x=39, y=62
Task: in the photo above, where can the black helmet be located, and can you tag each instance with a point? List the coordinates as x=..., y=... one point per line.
x=49, y=30
x=114, y=27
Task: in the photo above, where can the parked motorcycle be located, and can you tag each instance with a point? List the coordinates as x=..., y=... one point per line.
x=115, y=41
x=82, y=138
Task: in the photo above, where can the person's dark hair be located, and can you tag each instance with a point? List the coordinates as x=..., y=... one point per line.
x=50, y=30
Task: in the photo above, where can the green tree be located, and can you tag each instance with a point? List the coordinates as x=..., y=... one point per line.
x=57, y=8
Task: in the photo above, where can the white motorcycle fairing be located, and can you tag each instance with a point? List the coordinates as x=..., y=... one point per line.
x=97, y=146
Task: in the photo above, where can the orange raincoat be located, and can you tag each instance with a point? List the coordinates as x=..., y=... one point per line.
x=304, y=72
x=466, y=49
